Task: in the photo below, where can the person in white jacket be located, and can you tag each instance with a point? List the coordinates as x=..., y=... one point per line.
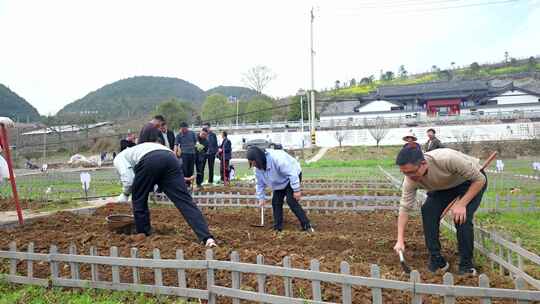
x=151, y=163
x=4, y=172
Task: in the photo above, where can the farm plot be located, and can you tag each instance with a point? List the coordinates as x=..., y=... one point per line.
x=360, y=239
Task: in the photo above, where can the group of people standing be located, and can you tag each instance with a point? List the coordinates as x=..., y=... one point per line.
x=195, y=150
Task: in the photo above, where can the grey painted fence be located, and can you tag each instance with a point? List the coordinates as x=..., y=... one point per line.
x=511, y=203
x=322, y=203
x=508, y=257
x=237, y=269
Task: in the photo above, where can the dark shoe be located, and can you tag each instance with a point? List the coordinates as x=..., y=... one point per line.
x=149, y=232
x=438, y=264
x=308, y=229
x=468, y=271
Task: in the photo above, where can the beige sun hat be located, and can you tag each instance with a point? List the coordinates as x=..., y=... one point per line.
x=411, y=135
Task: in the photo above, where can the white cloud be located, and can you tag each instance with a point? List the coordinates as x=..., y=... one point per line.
x=58, y=51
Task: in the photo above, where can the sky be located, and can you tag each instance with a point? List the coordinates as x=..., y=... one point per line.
x=57, y=51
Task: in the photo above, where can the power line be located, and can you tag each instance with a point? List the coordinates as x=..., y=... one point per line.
x=413, y=9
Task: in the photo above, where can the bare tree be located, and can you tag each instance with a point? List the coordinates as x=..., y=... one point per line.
x=340, y=135
x=258, y=77
x=464, y=140
x=378, y=128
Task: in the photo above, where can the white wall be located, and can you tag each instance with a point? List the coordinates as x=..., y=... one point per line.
x=377, y=106
x=507, y=98
x=488, y=132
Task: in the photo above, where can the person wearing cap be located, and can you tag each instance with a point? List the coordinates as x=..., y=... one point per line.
x=445, y=174
x=282, y=173
x=150, y=163
x=433, y=142
x=185, y=149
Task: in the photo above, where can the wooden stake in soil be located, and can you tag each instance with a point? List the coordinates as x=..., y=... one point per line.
x=346, y=289
x=235, y=275
x=483, y=281
x=376, y=293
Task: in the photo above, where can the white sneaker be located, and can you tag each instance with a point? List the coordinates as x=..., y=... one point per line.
x=210, y=243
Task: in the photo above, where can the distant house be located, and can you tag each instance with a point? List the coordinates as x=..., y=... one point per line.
x=471, y=97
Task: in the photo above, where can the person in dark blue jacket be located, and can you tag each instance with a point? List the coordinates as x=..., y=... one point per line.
x=225, y=155
x=212, y=151
x=282, y=173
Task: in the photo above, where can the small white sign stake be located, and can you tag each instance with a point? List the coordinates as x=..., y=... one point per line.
x=85, y=181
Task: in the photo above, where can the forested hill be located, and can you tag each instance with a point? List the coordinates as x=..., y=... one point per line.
x=241, y=93
x=16, y=107
x=134, y=96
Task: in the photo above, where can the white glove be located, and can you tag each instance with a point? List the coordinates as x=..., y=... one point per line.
x=122, y=198
x=6, y=121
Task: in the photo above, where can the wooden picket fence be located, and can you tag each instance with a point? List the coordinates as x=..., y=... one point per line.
x=317, y=203
x=511, y=203
x=418, y=290
x=337, y=185
x=510, y=258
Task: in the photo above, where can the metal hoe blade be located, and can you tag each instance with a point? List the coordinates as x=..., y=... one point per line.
x=262, y=219
x=404, y=265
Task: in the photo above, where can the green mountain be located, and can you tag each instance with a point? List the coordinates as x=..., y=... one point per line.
x=15, y=107
x=134, y=96
x=241, y=93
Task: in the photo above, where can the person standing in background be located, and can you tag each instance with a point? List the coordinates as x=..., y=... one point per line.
x=156, y=122
x=212, y=150
x=185, y=149
x=168, y=136
x=127, y=142
x=225, y=153
x=201, y=150
x=433, y=142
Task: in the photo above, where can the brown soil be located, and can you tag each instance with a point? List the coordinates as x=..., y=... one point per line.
x=360, y=239
x=9, y=204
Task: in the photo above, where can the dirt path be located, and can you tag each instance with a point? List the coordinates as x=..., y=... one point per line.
x=318, y=156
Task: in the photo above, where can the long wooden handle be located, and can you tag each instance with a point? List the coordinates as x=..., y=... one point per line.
x=489, y=160
x=486, y=164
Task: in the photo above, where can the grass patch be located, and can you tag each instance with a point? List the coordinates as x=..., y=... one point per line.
x=525, y=226
x=19, y=294
x=364, y=163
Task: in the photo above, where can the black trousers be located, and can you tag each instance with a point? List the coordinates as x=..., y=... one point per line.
x=162, y=168
x=211, y=161
x=432, y=210
x=199, y=165
x=278, y=197
x=224, y=170
x=188, y=165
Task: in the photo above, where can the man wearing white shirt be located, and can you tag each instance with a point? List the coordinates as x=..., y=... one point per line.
x=150, y=163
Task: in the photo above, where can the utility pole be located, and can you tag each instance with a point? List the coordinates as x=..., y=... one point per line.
x=312, y=95
x=237, y=106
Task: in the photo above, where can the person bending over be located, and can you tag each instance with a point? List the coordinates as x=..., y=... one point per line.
x=281, y=172
x=150, y=163
x=446, y=174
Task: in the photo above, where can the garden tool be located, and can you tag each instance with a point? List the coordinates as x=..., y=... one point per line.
x=404, y=265
x=262, y=219
x=486, y=164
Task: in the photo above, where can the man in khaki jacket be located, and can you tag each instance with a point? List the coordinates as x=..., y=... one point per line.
x=445, y=174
